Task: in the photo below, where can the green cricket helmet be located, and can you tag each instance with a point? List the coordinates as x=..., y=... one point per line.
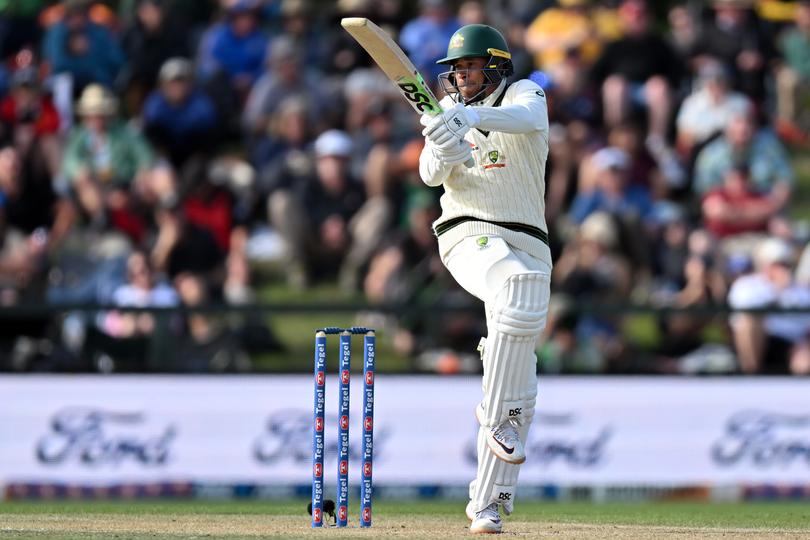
x=477, y=41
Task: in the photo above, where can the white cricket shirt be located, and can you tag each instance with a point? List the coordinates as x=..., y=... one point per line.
x=507, y=182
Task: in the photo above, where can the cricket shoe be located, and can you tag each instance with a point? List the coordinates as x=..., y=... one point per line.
x=504, y=440
x=487, y=521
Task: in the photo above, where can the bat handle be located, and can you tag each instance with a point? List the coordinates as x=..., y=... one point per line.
x=469, y=163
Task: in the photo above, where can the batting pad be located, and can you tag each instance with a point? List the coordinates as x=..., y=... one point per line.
x=516, y=318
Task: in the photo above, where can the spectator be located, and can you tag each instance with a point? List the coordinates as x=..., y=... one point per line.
x=31, y=120
x=104, y=160
x=639, y=69
x=734, y=37
x=25, y=215
x=235, y=49
x=592, y=269
x=709, y=108
x=563, y=33
x=314, y=216
x=735, y=208
x=773, y=342
x=612, y=193
x=153, y=36
x=793, y=77
x=142, y=289
x=425, y=38
x=283, y=156
x=83, y=49
x=768, y=164
x=287, y=76
x=178, y=118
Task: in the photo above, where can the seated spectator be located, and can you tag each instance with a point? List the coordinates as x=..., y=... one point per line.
x=178, y=118
x=31, y=120
x=184, y=247
x=773, y=342
x=86, y=51
x=153, y=36
x=283, y=158
x=768, y=164
x=709, y=108
x=612, y=192
x=591, y=269
x=104, y=160
x=425, y=38
x=735, y=207
x=734, y=36
x=285, y=77
x=314, y=215
x=560, y=33
x=23, y=238
x=638, y=69
x=142, y=289
x=793, y=77
x=235, y=49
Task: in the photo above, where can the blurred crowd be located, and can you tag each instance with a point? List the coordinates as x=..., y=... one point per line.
x=162, y=153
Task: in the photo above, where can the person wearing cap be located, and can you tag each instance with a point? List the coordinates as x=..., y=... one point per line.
x=103, y=159
x=488, y=151
x=235, y=48
x=709, y=108
x=313, y=216
x=771, y=342
x=612, y=192
x=79, y=47
x=179, y=118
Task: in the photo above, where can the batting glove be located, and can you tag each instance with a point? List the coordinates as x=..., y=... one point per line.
x=456, y=154
x=443, y=129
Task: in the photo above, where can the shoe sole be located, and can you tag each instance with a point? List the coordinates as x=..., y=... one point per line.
x=484, y=530
x=496, y=449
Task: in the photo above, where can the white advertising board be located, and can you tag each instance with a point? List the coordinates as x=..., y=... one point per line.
x=95, y=430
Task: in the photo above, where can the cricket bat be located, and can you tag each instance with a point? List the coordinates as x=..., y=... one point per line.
x=395, y=64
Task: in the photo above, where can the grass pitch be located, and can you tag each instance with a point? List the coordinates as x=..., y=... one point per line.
x=443, y=520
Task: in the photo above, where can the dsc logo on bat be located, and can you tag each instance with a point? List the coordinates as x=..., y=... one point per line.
x=414, y=94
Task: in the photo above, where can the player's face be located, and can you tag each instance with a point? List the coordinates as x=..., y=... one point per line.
x=469, y=76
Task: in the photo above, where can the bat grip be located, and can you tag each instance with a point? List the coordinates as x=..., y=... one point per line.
x=469, y=163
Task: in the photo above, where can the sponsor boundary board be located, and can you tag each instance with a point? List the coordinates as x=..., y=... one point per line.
x=250, y=435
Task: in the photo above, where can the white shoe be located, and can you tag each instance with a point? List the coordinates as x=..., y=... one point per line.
x=487, y=521
x=504, y=440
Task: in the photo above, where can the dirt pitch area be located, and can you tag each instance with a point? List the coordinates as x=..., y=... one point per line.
x=443, y=520
x=232, y=527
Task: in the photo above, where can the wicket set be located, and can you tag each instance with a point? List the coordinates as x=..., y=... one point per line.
x=318, y=446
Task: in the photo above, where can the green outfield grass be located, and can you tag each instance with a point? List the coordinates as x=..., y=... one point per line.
x=269, y=519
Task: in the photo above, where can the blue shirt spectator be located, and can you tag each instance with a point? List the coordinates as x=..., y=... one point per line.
x=236, y=47
x=760, y=150
x=612, y=194
x=85, y=50
x=178, y=117
x=426, y=37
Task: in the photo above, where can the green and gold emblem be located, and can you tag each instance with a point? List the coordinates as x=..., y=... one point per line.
x=493, y=156
x=456, y=41
x=482, y=241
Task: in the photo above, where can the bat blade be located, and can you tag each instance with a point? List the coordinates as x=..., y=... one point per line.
x=395, y=64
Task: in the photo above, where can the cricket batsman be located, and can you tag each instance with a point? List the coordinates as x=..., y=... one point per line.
x=493, y=239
